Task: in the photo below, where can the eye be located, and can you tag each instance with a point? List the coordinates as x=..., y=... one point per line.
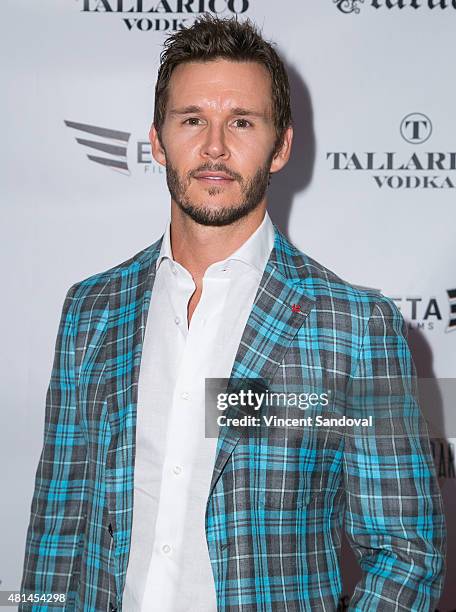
x=191, y=120
x=244, y=122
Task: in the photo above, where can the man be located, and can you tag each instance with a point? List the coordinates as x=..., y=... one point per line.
x=134, y=507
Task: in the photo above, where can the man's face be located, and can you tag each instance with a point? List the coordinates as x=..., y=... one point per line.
x=217, y=139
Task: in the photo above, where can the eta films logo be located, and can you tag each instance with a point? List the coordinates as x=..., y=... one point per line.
x=428, y=312
x=424, y=312
x=107, y=147
x=114, y=149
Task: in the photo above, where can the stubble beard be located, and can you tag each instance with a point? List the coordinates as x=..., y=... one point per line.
x=252, y=193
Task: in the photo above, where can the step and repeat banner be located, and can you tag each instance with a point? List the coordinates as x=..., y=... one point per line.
x=370, y=190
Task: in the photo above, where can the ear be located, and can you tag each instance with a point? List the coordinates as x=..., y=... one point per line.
x=158, y=151
x=283, y=154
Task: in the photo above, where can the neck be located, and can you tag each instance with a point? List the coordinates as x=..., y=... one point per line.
x=197, y=246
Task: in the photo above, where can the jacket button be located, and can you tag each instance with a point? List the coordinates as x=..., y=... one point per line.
x=110, y=530
x=112, y=608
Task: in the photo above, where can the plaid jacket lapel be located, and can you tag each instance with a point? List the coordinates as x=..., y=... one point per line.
x=270, y=328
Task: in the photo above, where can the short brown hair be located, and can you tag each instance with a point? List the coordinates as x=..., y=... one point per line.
x=210, y=38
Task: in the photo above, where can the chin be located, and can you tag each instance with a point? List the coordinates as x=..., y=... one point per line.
x=211, y=202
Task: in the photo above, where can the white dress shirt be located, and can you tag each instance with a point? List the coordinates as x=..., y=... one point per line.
x=169, y=567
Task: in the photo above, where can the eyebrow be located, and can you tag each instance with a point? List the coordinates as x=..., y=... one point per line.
x=238, y=110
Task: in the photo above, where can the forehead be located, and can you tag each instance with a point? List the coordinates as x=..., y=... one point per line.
x=219, y=84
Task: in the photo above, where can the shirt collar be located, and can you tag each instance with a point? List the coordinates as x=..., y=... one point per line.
x=254, y=251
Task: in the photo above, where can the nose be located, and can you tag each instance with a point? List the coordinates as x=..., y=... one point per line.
x=214, y=145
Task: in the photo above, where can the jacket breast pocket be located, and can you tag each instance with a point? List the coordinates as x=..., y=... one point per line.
x=288, y=500
x=297, y=469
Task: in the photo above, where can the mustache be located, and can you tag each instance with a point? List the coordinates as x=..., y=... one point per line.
x=217, y=168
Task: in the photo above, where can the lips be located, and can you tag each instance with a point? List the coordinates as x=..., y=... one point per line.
x=213, y=176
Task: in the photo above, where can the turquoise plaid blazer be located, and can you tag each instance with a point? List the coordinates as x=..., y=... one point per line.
x=277, y=503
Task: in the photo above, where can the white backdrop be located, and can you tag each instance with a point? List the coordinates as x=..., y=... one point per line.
x=369, y=191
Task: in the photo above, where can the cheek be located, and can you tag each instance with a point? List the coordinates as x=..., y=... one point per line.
x=183, y=153
x=252, y=152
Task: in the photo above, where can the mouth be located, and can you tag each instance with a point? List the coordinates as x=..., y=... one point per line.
x=214, y=178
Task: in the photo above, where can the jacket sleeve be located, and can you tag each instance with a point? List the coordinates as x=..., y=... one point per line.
x=394, y=515
x=57, y=518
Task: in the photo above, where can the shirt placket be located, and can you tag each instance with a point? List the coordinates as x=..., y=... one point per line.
x=185, y=432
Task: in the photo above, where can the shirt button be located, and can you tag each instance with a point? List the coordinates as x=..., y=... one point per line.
x=184, y=395
x=177, y=469
x=177, y=320
x=166, y=548
x=174, y=269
